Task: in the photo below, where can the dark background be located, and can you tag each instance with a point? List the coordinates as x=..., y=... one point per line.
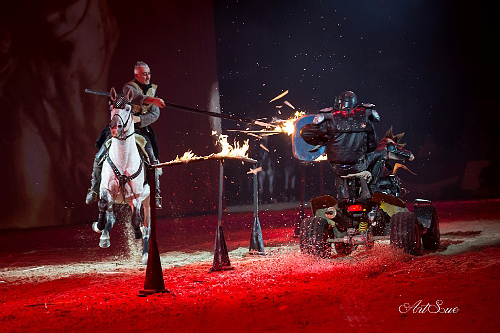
x=52, y=51
x=430, y=68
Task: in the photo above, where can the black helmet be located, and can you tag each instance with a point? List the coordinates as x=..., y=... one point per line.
x=346, y=101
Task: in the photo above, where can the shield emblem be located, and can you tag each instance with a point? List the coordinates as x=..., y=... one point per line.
x=301, y=149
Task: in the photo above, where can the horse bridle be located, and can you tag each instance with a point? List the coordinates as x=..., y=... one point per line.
x=123, y=179
x=125, y=124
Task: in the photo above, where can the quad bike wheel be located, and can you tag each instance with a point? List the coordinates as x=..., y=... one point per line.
x=405, y=232
x=432, y=238
x=313, y=236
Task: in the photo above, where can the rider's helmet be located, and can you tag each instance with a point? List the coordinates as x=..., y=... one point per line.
x=346, y=101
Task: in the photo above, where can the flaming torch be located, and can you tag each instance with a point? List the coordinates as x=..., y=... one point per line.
x=236, y=151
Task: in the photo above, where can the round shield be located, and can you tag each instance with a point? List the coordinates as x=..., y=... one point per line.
x=302, y=150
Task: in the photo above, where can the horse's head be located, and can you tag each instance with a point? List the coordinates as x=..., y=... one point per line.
x=395, y=149
x=121, y=115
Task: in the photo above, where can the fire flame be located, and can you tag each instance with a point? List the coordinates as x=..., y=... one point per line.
x=235, y=150
x=288, y=126
x=186, y=157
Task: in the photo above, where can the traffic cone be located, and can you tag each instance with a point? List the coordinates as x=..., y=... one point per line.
x=256, y=241
x=221, y=257
x=154, y=273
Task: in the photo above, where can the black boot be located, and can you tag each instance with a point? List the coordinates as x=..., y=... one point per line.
x=93, y=194
x=376, y=174
x=365, y=190
x=342, y=188
x=153, y=161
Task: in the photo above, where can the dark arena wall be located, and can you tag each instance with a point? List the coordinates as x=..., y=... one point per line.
x=51, y=52
x=430, y=68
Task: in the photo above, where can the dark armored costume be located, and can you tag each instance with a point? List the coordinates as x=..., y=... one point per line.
x=348, y=133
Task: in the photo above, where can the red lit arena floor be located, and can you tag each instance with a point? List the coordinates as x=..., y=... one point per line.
x=58, y=279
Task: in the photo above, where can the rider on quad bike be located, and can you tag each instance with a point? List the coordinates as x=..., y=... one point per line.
x=348, y=132
x=367, y=190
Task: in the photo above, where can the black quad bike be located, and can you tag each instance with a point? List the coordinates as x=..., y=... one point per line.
x=349, y=223
x=364, y=214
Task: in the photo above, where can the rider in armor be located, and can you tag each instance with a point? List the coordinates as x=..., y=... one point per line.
x=348, y=133
x=145, y=106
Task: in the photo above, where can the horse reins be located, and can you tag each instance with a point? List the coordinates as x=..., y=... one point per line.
x=122, y=179
x=125, y=126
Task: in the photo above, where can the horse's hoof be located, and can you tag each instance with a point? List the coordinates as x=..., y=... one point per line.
x=104, y=240
x=145, y=232
x=137, y=233
x=145, y=246
x=95, y=228
x=159, y=202
x=104, y=243
x=145, y=259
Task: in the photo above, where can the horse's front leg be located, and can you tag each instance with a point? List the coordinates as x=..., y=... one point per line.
x=110, y=217
x=145, y=231
x=106, y=219
x=136, y=218
x=102, y=204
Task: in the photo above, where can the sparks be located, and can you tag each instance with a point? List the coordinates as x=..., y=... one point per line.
x=288, y=126
x=279, y=96
x=289, y=104
x=254, y=171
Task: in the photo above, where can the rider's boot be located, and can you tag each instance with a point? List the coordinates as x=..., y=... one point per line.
x=365, y=190
x=342, y=189
x=154, y=161
x=377, y=173
x=96, y=176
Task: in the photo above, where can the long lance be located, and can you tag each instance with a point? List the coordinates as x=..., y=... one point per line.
x=198, y=111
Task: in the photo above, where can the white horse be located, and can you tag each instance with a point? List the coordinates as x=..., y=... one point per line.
x=123, y=175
